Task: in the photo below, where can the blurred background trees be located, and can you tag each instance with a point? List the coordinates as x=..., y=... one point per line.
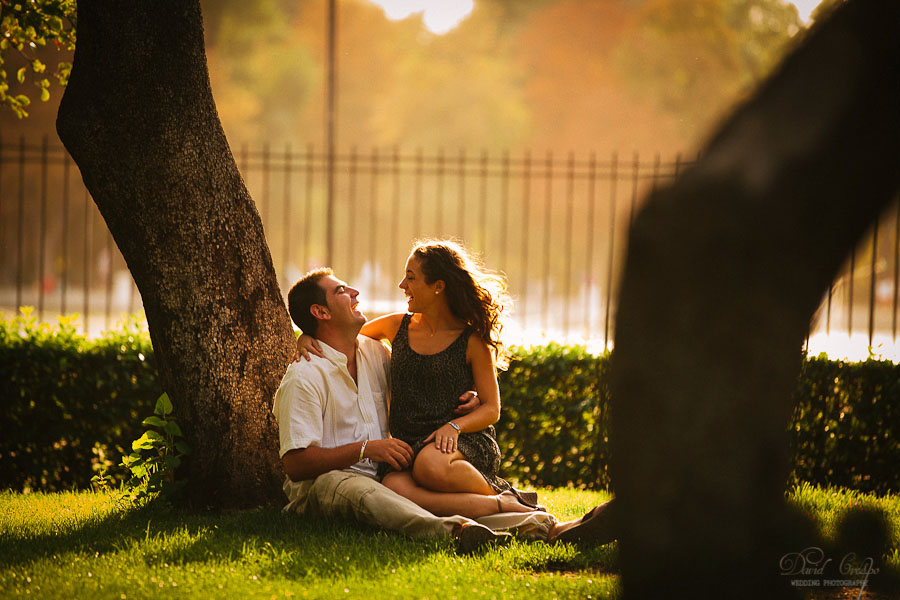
x=646, y=75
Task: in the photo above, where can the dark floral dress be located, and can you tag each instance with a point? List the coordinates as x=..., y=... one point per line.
x=425, y=389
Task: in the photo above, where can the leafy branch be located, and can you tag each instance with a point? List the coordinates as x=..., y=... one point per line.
x=24, y=26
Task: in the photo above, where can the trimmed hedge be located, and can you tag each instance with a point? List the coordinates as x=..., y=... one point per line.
x=846, y=426
x=69, y=406
x=845, y=430
x=553, y=429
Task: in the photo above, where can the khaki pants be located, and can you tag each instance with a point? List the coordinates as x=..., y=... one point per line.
x=349, y=494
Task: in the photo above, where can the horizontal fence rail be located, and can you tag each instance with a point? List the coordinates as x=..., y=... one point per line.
x=555, y=224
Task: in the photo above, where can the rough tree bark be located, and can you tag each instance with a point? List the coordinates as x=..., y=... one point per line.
x=724, y=272
x=139, y=120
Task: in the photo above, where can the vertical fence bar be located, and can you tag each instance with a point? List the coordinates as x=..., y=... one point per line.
x=635, y=170
x=548, y=227
x=896, y=269
x=286, y=216
x=394, y=262
x=373, y=238
x=656, y=168
x=264, y=200
x=306, y=257
x=526, y=209
x=461, y=197
x=109, y=276
x=86, y=267
x=872, y=275
x=42, y=248
x=589, y=264
x=352, y=213
x=482, y=200
x=417, y=194
x=504, y=208
x=613, y=173
x=20, y=233
x=850, y=287
x=64, y=275
x=570, y=259
x=440, y=192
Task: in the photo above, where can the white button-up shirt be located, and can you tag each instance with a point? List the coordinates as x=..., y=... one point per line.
x=319, y=404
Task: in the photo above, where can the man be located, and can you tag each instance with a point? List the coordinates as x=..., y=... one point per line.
x=332, y=421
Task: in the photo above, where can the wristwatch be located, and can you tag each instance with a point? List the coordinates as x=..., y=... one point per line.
x=454, y=426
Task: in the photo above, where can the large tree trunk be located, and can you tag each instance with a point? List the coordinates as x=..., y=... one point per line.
x=139, y=120
x=724, y=272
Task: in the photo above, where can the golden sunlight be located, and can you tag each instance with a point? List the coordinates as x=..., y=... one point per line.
x=438, y=16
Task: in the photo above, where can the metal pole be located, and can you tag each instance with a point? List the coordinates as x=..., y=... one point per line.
x=329, y=141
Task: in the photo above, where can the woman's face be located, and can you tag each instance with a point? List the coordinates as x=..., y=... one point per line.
x=419, y=294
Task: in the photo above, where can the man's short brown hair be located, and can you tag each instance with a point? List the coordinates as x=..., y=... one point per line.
x=303, y=295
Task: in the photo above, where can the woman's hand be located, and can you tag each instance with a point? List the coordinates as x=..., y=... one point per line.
x=444, y=438
x=467, y=403
x=306, y=345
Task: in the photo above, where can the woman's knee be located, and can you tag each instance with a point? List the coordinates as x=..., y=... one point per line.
x=431, y=469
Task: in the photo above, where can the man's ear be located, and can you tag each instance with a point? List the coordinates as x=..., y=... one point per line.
x=320, y=312
x=439, y=286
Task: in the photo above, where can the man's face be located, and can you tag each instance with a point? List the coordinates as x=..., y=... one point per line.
x=342, y=303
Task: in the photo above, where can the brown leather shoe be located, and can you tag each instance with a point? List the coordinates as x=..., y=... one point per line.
x=475, y=536
x=598, y=527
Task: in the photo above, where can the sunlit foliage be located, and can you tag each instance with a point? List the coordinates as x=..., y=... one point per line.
x=26, y=25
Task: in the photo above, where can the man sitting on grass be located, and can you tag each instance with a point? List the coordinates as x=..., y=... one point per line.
x=332, y=421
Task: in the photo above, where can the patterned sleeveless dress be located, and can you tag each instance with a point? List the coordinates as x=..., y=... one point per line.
x=425, y=388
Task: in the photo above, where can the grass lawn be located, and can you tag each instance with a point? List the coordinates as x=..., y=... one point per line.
x=84, y=545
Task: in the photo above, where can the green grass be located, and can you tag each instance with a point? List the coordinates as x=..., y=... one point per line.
x=84, y=545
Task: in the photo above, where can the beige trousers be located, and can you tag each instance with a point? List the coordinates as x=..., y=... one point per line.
x=349, y=494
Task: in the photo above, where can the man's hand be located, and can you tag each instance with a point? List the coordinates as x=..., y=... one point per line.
x=306, y=345
x=468, y=402
x=394, y=452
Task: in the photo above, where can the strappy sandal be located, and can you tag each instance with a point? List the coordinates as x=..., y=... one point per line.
x=528, y=499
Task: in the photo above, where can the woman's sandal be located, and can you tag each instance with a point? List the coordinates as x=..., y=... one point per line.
x=528, y=499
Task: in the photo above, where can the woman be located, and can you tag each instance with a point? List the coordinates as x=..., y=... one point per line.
x=447, y=343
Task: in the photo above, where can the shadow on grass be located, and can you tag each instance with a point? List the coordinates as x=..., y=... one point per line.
x=278, y=543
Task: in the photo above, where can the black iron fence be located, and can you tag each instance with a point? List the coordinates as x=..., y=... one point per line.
x=554, y=224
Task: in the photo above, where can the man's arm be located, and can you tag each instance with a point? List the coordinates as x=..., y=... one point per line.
x=309, y=463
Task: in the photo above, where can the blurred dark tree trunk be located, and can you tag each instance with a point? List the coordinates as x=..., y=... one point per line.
x=724, y=272
x=139, y=119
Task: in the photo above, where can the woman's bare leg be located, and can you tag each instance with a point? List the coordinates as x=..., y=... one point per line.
x=445, y=504
x=441, y=472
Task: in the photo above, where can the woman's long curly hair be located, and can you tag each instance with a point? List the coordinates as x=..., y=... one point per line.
x=475, y=294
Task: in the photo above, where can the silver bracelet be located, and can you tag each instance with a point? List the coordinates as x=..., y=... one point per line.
x=363, y=449
x=454, y=426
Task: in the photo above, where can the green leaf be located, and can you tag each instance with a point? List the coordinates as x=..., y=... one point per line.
x=45, y=94
x=183, y=448
x=173, y=429
x=149, y=440
x=20, y=75
x=172, y=462
x=37, y=66
x=153, y=422
x=163, y=405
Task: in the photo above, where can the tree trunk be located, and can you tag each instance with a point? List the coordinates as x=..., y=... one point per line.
x=139, y=120
x=724, y=272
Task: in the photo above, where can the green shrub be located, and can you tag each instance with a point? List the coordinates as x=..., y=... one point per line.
x=71, y=406
x=846, y=426
x=68, y=405
x=554, y=428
